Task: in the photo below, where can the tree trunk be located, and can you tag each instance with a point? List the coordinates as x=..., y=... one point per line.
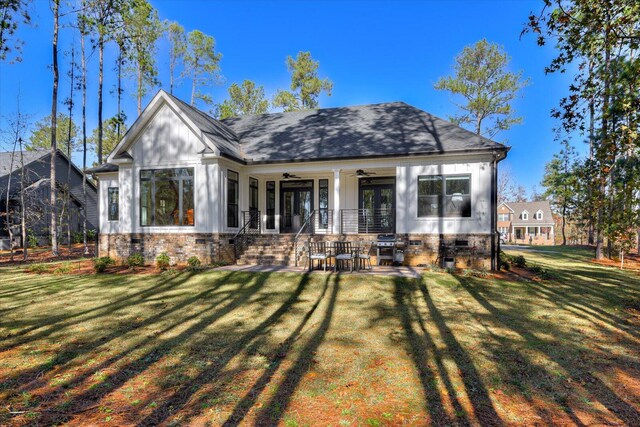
x=84, y=146
x=139, y=89
x=564, y=216
x=7, y=204
x=73, y=66
x=193, y=91
x=605, y=140
x=54, y=146
x=23, y=212
x=592, y=114
x=119, y=91
x=100, y=72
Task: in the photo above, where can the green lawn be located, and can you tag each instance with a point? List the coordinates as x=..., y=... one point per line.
x=218, y=347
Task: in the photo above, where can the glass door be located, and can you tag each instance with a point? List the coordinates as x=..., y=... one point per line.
x=296, y=204
x=377, y=205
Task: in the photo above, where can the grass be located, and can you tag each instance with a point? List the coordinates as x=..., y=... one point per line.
x=227, y=348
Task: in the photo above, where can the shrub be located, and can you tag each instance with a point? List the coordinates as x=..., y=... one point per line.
x=37, y=268
x=135, y=260
x=32, y=239
x=63, y=268
x=91, y=235
x=101, y=264
x=194, y=262
x=163, y=261
x=519, y=261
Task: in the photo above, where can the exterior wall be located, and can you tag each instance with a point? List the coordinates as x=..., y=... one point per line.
x=407, y=220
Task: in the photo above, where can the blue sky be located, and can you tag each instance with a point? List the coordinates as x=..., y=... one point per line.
x=374, y=51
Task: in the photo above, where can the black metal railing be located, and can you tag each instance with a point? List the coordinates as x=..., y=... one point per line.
x=323, y=221
x=251, y=227
x=307, y=228
x=366, y=221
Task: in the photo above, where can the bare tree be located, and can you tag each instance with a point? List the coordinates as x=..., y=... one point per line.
x=69, y=142
x=54, y=147
x=82, y=26
x=7, y=211
x=23, y=210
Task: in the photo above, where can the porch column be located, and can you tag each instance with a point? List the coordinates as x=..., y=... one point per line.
x=538, y=235
x=336, y=201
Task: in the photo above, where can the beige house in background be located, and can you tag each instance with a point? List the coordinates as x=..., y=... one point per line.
x=526, y=223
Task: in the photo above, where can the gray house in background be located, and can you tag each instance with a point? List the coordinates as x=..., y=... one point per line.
x=37, y=174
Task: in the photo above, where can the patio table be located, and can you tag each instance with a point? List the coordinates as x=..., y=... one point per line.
x=355, y=251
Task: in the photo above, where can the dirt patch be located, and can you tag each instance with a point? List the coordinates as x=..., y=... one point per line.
x=44, y=254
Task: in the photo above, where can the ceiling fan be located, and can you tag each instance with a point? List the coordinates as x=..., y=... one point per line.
x=287, y=175
x=360, y=173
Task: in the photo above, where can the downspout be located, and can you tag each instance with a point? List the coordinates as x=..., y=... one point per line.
x=495, y=251
x=495, y=247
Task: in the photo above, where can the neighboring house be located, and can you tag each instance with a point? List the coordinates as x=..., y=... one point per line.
x=184, y=183
x=37, y=172
x=526, y=222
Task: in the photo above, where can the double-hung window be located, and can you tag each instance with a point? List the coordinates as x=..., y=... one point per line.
x=167, y=197
x=444, y=196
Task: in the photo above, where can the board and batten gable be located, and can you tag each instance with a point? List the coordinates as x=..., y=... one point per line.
x=165, y=142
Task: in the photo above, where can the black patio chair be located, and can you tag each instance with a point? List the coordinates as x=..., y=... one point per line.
x=318, y=252
x=343, y=253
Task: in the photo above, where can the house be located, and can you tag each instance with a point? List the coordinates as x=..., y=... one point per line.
x=257, y=188
x=526, y=222
x=35, y=167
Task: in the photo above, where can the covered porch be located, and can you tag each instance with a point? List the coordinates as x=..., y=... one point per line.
x=338, y=201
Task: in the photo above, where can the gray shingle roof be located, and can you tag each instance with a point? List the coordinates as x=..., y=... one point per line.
x=532, y=208
x=376, y=130
x=103, y=168
x=27, y=157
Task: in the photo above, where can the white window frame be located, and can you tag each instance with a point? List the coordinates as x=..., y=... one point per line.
x=538, y=216
x=525, y=216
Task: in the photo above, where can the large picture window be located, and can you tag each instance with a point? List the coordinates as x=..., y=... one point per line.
x=444, y=196
x=167, y=197
x=233, y=194
x=114, y=203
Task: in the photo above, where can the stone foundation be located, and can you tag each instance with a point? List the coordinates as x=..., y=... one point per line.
x=209, y=248
x=419, y=249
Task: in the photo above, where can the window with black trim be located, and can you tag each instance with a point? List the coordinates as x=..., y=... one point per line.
x=113, y=203
x=233, y=194
x=271, y=205
x=323, y=197
x=444, y=196
x=167, y=197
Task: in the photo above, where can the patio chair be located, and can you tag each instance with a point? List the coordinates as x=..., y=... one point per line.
x=343, y=253
x=364, y=256
x=318, y=251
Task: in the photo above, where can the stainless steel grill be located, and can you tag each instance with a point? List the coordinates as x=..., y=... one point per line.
x=386, y=248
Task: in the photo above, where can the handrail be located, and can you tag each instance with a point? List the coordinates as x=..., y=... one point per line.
x=307, y=222
x=241, y=238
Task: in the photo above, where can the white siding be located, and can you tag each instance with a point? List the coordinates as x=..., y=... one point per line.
x=106, y=226
x=166, y=142
x=407, y=220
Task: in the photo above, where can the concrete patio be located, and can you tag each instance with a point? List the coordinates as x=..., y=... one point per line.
x=382, y=270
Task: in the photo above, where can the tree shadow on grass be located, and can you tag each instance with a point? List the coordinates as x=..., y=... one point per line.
x=281, y=352
x=156, y=352
x=182, y=395
x=579, y=373
x=72, y=350
x=273, y=410
x=56, y=322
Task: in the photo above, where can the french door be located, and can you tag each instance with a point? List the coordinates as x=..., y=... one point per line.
x=376, y=205
x=296, y=204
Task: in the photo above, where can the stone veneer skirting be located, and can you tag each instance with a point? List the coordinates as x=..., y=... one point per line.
x=420, y=249
x=208, y=248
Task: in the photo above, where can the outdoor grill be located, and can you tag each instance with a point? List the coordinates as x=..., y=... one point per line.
x=387, y=249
